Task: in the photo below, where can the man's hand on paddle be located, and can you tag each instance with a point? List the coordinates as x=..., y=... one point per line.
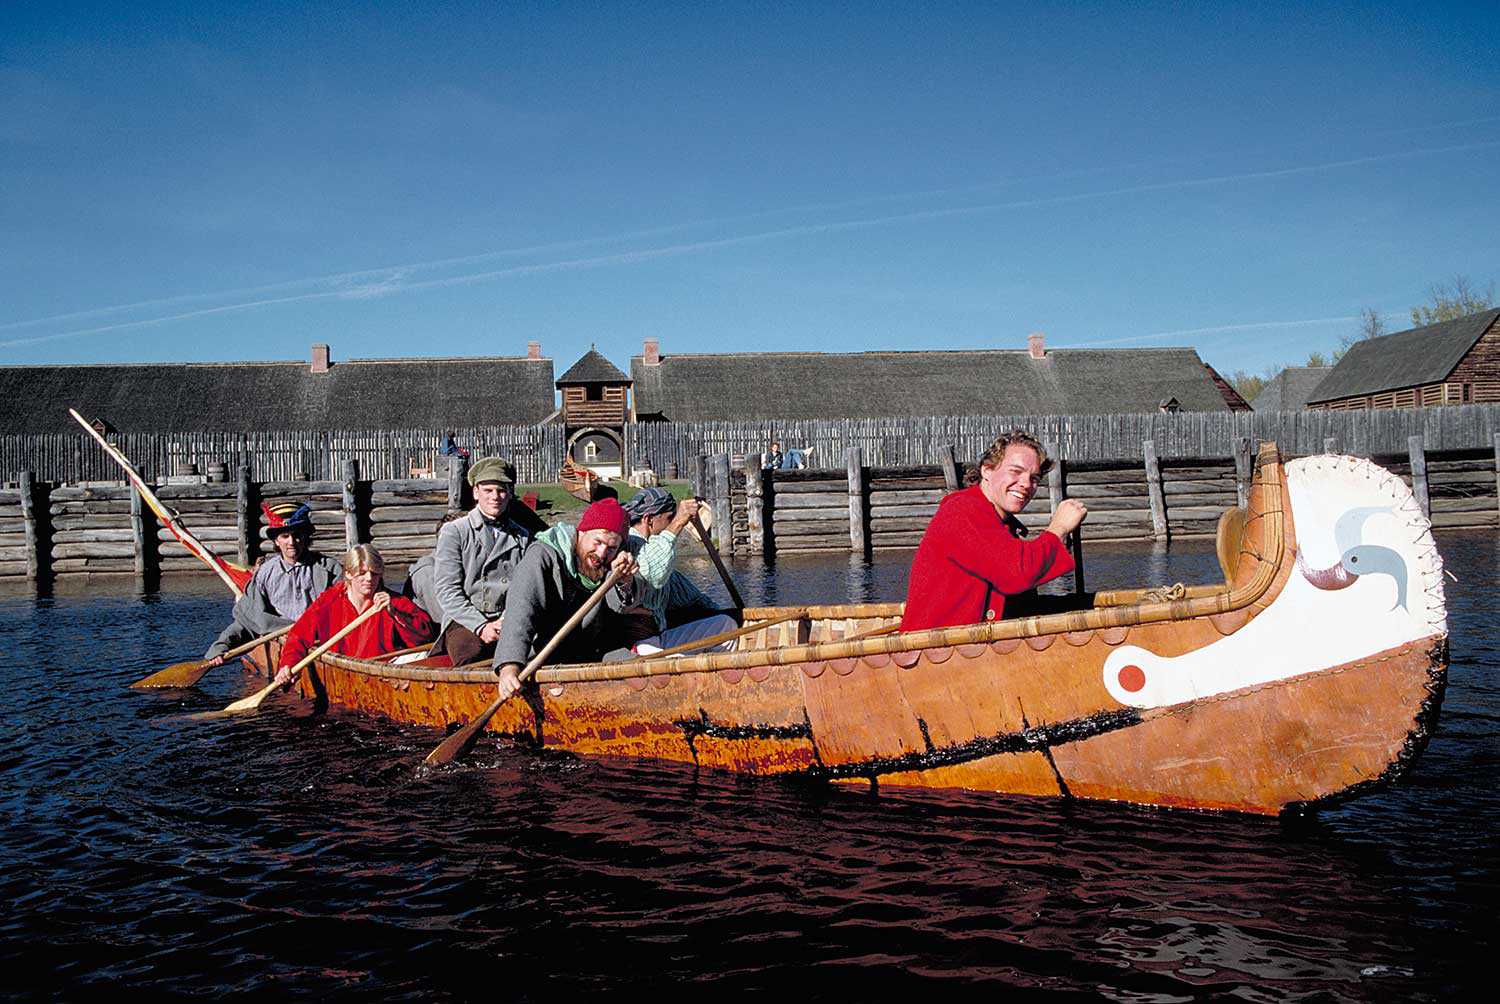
x=510, y=679
x=686, y=510
x=217, y=660
x=625, y=564
x=1070, y=513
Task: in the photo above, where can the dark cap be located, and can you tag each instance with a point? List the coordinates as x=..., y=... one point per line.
x=492, y=469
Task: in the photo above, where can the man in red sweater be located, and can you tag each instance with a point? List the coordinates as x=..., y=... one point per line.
x=400, y=623
x=974, y=552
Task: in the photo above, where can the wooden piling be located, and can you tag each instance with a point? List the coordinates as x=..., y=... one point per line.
x=952, y=477
x=1244, y=471
x=1159, y=529
x=718, y=466
x=457, y=470
x=28, y=515
x=755, y=504
x=351, y=513
x=138, y=531
x=859, y=534
x=1419, y=474
x=244, y=516
x=1497, y=469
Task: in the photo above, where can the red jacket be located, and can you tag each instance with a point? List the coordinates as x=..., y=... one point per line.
x=970, y=558
x=403, y=624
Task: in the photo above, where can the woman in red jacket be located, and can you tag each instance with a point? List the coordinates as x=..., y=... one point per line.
x=974, y=552
x=400, y=623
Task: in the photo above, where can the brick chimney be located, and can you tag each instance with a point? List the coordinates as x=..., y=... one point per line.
x=320, y=360
x=653, y=352
x=1034, y=346
x=533, y=350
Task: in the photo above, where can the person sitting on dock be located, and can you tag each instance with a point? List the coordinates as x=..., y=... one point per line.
x=559, y=572
x=974, y=553
x=284, y=584
x=656, y=521
x=400, y=623
x=474, y=563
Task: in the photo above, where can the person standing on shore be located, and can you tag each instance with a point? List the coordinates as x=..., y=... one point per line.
x=975, y=554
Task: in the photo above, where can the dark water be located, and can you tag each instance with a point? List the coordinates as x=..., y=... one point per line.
x=289, y=855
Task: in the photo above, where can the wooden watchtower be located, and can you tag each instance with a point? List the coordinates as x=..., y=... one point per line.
x=595, y=407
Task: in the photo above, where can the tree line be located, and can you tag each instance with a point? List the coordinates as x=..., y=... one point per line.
x=1446, y=301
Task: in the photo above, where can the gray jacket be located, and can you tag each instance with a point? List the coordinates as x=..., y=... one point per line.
x=545, y=593
x=420, y=590
x=470, y=577
x=253, y=614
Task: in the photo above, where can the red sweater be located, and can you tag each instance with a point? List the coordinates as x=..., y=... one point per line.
x=970, y=558
x=400, y=625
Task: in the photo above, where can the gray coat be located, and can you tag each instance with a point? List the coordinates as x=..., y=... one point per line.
x=470, y=577
x=253, y=614
x=544, y=594
x=420, y=590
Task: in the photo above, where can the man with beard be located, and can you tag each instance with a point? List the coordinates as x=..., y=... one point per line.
x=559, y=572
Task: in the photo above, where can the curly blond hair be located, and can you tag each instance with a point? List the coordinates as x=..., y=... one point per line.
x=996, y=453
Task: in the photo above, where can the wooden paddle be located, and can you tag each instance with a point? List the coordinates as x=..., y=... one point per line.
x=195, y=547
x=185, y=674
x=713, y=553
x=254, y=700
x=460, y=742
x=1077, y=547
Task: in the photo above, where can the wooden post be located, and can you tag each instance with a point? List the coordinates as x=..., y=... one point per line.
x=952, y=481
x=1057, y=490
x=28, y=514
x=754, y=504
x=701, y=487
x=723, y=510
x=351, y=514
x=1419, y=474
x=1330, y=444
x=1243, y=471
x=1159, y=528
x=244, y=518
x=859, y=533
x=457, y=468
x=138, y=532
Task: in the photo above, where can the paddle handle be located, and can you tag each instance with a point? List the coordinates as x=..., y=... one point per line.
x=568, y=626
x=713, y=553
x=463, y=740
x=189, y=541
x=255, y=643
x=338, y=636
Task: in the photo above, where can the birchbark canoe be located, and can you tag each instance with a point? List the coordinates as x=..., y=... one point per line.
x=579, y=482
x=1313, y=672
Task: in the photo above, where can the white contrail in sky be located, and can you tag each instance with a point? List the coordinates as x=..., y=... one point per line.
x=386, y=285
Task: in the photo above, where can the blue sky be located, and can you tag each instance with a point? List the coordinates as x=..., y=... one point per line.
x=209, y=182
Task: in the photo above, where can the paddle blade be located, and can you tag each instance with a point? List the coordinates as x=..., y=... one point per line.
x=179, y=674
x=247, y=703
x=460, y=742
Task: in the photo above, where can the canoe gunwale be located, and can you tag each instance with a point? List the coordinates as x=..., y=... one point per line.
x=1272, y=550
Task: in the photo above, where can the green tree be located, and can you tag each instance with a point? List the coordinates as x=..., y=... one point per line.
x=1317, y=359
x=1458, y=297
x=1250, y=384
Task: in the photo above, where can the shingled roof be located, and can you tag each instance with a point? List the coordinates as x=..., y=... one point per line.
x=790, y=385
x=1406, y=359
x=1290, y=389
x=592, y=368
x=231, y=397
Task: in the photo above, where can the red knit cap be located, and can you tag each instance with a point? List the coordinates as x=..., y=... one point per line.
x=606, y=514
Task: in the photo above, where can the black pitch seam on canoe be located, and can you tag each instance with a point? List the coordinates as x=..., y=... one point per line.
x=1028, y=740
x=702, y=726
x=1062, y=784
x=1416, y=740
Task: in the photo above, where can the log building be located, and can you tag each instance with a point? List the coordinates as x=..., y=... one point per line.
x=1290, y=389
x=1454, y=362
x=748, y=386
x=595, y=407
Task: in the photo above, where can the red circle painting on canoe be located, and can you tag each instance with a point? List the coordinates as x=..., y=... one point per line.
x=1132, y=678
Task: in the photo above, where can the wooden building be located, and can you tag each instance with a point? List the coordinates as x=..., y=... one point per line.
x=1454, y=362
x=317, y=395
x=595, y=408
x=752, y=386
x=1290, y=389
